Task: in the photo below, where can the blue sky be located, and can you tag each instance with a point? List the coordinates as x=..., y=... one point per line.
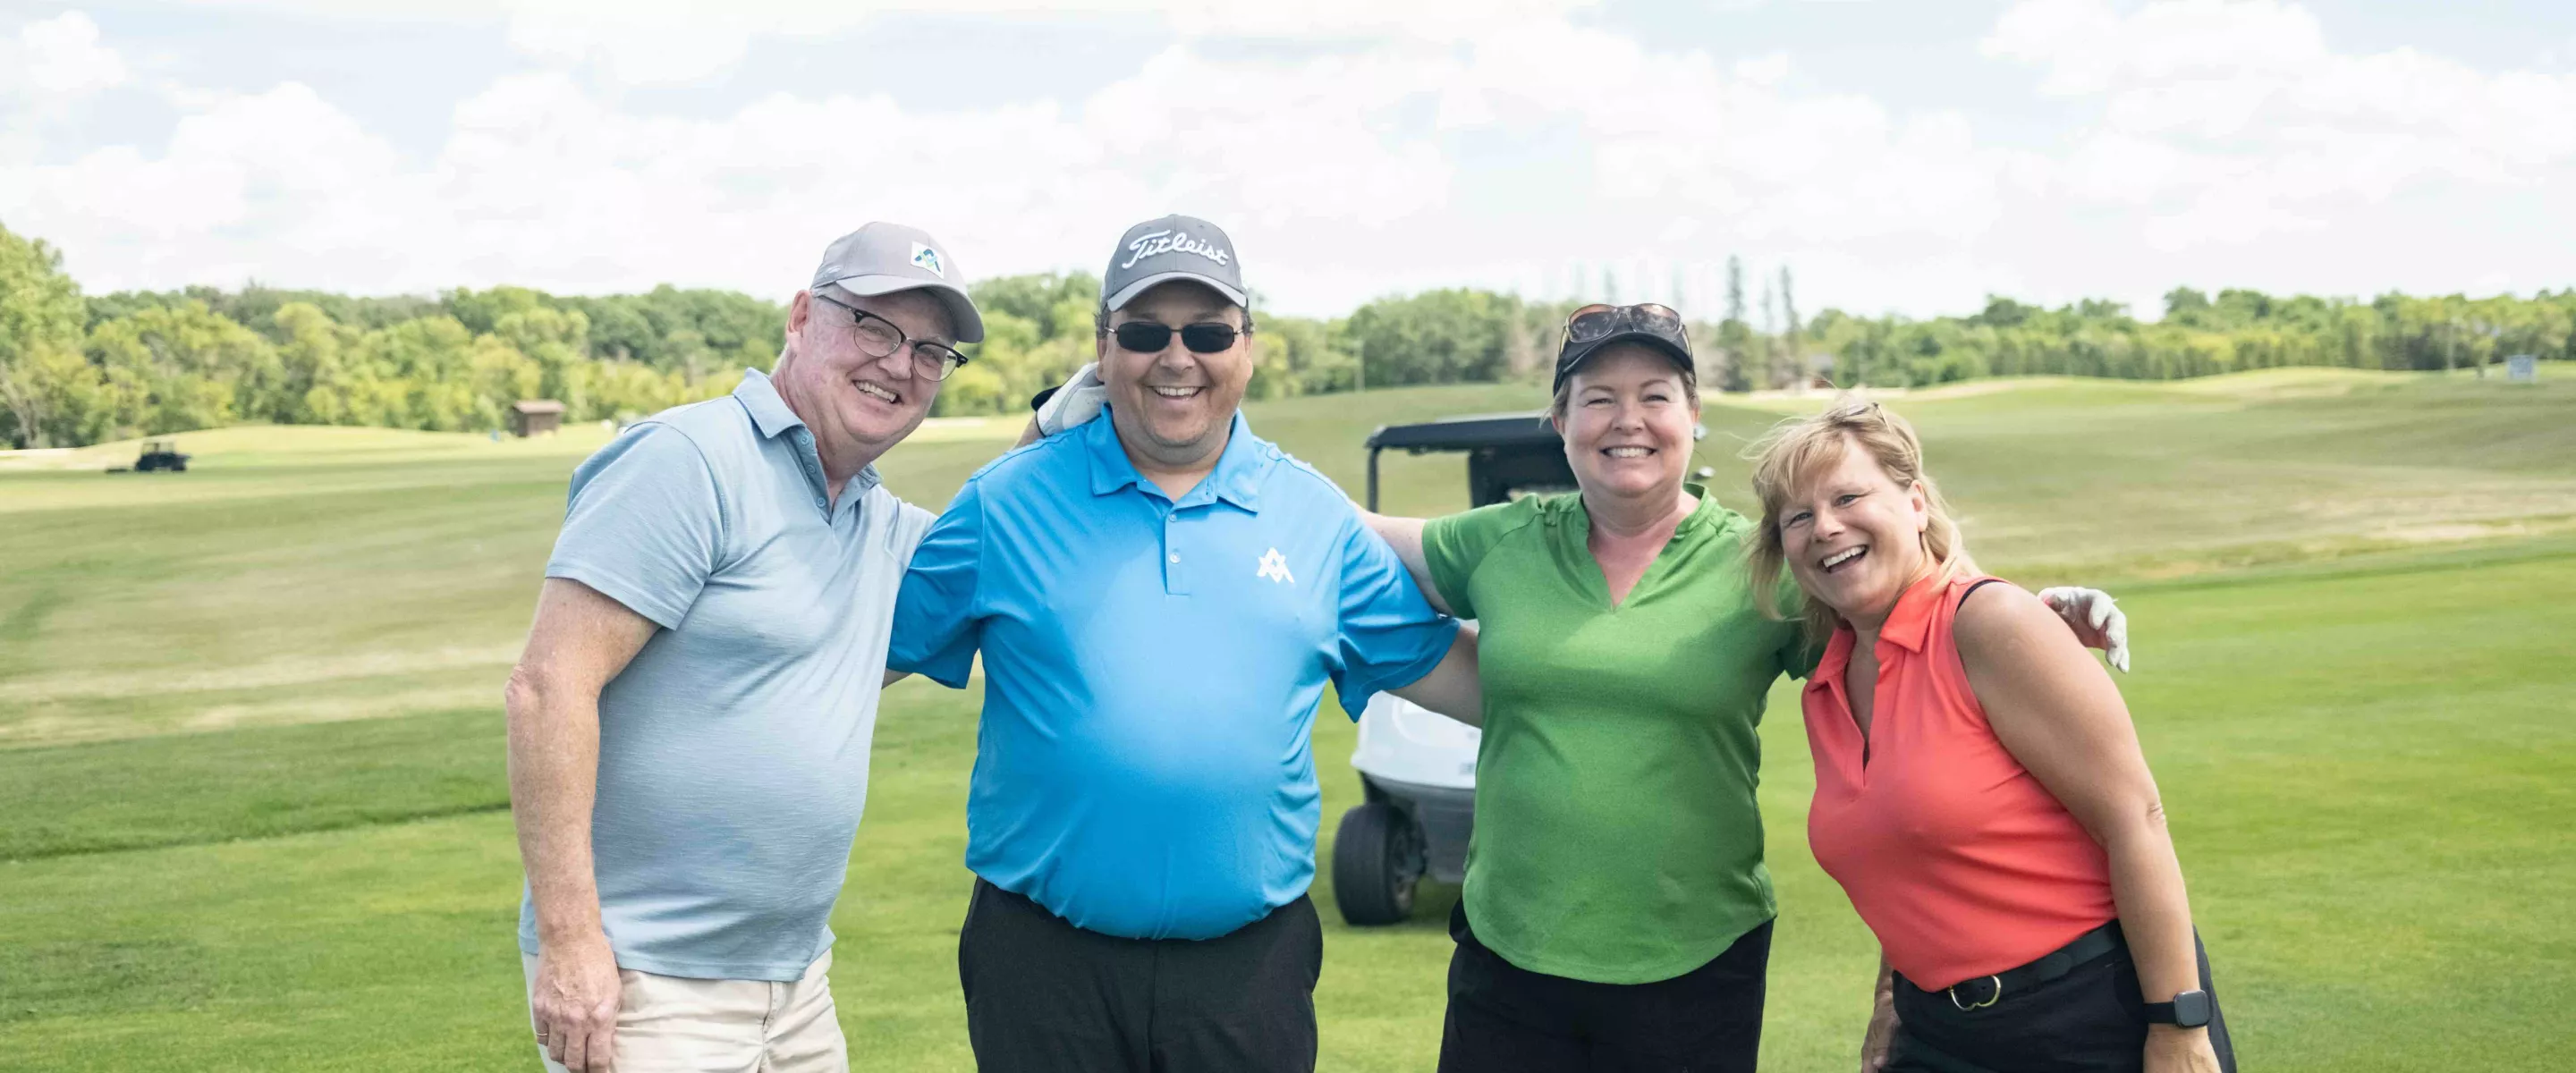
x=1907, y=157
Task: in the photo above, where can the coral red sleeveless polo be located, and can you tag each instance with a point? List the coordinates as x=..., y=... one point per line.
x=1958, y=858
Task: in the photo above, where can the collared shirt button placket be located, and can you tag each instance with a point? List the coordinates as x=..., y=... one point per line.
x=1175, y=583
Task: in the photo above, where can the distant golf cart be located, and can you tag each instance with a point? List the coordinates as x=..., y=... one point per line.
x=1418, y=768
x=158, y=455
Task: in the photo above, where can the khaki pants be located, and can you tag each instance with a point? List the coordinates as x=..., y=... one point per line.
x=668, y=1024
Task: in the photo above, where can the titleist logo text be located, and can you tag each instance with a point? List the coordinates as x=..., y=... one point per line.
x=1162, y=242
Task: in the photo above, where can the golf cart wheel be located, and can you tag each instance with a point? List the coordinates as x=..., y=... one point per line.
x=1377, y=858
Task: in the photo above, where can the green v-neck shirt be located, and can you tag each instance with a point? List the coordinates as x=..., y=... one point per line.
x=1617, y=840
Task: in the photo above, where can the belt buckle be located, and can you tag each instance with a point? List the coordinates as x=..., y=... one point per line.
x=1964, y=1007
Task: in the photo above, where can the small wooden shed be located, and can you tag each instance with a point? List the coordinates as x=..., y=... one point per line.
x=528, y=417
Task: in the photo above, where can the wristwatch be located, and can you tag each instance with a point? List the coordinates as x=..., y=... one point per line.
x=2190, y=1009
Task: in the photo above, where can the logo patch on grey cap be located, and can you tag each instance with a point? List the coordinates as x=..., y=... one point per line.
x=885, y=258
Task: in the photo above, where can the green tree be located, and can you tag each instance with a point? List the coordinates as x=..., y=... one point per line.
x=1436, y=337
x=44, y=381
x=181, y=367
x=1734, y=336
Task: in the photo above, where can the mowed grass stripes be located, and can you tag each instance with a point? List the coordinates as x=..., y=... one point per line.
x=252, y=778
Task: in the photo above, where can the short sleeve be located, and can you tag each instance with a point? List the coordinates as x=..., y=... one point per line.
x=911, y=523
x=1390, y=636
x=644, y=525
x=1453, y=547
x=937, y=625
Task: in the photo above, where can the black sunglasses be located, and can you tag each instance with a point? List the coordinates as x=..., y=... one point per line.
x=1147, y=337
x=1600, y=321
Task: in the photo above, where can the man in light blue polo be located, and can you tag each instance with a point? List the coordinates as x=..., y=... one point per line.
x=1159, y=600
x=689, y=727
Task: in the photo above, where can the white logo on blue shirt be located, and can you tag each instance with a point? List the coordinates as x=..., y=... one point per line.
x=1275, y=567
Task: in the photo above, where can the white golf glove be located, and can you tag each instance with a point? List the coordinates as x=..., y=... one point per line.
x=2095, y=619
x=1077, y=401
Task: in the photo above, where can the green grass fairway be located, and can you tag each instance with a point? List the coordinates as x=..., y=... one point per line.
x=252, y=814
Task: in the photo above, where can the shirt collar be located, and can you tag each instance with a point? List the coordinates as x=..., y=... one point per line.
x=1835, y=660
x=1908, y=625
x=1236, y=478
x=1709, y=514
x=1910, y=621
x=769, y=413
x=1703, y=516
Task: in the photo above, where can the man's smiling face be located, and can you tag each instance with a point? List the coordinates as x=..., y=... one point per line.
x=1175, y=405
x=846, y=396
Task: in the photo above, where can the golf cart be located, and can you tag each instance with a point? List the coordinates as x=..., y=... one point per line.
x=160, y=455
x=1418, y=768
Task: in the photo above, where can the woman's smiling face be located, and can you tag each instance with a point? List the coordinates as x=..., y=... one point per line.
x=1853, y=536
x=1627, y=423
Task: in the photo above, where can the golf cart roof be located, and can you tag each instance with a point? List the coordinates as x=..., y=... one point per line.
x=1468, y=433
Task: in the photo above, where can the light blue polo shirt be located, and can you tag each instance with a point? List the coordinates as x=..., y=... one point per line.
x=733, y=750
x=1152, y=669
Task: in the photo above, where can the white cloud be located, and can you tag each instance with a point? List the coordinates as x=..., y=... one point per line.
x=1346, y=172
x=60, y=57
x=2089, y=46
x=1331, y=170
x=1732, y=146
x=2229, y=120
x=678, y=41
x=546, y=183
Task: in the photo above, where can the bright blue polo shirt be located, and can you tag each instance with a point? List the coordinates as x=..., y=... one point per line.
x=1152, y=669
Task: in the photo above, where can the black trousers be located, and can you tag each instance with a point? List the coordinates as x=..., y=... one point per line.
x=1043, y=995
x=1507, y=1019
x=2092, y=1019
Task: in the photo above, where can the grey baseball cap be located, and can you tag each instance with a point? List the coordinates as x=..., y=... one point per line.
x=1174, y=247
x=882, y=258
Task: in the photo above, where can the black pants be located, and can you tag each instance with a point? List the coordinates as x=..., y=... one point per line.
x=1506, y=1018
x=1043, y=995
x=2091, y=1019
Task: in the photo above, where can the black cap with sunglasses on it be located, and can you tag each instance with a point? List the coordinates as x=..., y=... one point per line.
x=1595, y=327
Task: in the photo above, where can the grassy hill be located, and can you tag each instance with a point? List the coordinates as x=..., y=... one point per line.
x=251, y=769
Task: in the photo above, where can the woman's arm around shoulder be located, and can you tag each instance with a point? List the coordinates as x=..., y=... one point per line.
x=2053, y=706
x=1405, y=536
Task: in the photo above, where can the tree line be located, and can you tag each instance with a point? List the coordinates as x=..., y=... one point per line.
x=77, y=369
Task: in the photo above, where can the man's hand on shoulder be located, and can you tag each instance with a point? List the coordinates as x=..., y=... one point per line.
x=1078, y=400
x=2096, y=620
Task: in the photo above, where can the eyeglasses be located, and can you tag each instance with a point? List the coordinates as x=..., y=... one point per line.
x=879, y=338
x=1597, y=321
x=1147, y=337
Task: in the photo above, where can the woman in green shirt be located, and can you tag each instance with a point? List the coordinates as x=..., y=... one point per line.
x=1616, y=913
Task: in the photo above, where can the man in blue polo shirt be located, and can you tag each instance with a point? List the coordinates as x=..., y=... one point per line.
x=1160, y=599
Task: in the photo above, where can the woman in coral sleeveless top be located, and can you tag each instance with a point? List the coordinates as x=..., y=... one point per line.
x=1980, y=792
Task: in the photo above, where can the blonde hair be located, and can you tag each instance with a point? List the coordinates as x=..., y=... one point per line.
x=1800, y=448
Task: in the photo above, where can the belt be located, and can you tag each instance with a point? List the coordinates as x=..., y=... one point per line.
x=1984, y=991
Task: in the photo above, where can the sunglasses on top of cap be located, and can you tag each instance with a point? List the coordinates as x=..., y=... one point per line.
x=1147, y=337
x=879, y=338
x=1599, y=321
